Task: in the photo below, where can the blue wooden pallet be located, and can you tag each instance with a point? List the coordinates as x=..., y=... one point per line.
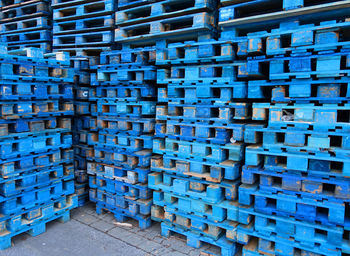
x=83, y=151
x=34, y=143
x=195, y=224
x=257, y=21
x=242, y=9
x=84, y=108
x=18, y=166
x=126, y=4
x=200, y=75
x=25, y=11
x=30, y=199
x=121, y=215
x=5, y=4
x=296, y=36
x=41, y=77
x=45, y=46
x=307, y=140
x=203, y=93
x=119, y=187
x=114, y=74
x=194, y=188
x=84, y=10
x=38, y=23
x=28, y=109
x=32, y=180
x=132, y=126
x=29, y=57
x=218, y=212
x=85, y=123
x=127, y=160
x=138, y=56
x=83, y=25
x=317, y=117
x=209, y=133
x=82, y=92
x=122, y=142
x=161, y=10
x=97, y=38
x=30, y=36
x=34, y=91
x=83, y=200
x=258, y=246
x=123, y=93
x=209, y=171
x=14, y=70
x=134, y=207
x=82, y=136
x=328, y=213
x=217, y=113
x=170, y=27
x=33, y=221
x=193, y=52
x=64, y=3
x=125, y=109
x=199, y=151
x=326, y=90
x=228, y=248
x=288, y=229
x=80, y=175
x=137, y=175
x=292, y=183
x=299, y=65
x=24, y=127
x=321, y=164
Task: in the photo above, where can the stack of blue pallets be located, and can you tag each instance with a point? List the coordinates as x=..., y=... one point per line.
x=83, y=27
x=195, y=174
x=294, y=199
x=26, y=24
x=36, y=171
x=84, y=124
x=125, y=95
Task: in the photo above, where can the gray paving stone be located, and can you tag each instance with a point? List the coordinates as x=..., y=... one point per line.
x=149, y=246
x=102, y=225
x=71, y=238
x=163, y=251
x=179, y=245
x=86, y=218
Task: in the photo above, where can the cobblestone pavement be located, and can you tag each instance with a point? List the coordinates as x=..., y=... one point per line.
x=90, y=234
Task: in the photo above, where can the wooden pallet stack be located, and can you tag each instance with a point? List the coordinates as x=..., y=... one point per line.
x=36, y=164
x=294, y=199
x=26, y=24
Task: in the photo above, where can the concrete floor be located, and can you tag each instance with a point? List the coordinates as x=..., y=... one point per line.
x=89, y=234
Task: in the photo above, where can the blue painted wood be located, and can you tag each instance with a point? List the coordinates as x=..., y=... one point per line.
x=127, y=160
x=83, y=10
x=228, y=248
x=170, y=27
x=137, y=175
x=326, y=212
x=83, y=25
x=276, y=245
x=33, y=221
x=214, y=113
x=128, y=125
x=210, y=171
x=195, y=224
x=293, y=183
x=209, y=133
x=194, y=188
x=122, y=214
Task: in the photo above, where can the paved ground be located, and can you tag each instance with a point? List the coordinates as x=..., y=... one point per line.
x=89, y=234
